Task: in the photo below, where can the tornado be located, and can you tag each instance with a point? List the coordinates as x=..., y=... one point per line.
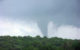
x=43, y=27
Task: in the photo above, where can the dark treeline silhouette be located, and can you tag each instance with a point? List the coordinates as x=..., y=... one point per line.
x=37, y=43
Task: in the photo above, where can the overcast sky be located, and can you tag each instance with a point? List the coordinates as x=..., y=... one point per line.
x=38, y=14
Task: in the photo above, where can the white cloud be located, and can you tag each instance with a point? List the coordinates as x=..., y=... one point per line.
x=64, y=31
x=19, y=29
x=51, y=29
x=68, y=31
x=32, y=29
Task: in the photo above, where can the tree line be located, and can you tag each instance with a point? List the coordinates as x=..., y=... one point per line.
x=37, y=43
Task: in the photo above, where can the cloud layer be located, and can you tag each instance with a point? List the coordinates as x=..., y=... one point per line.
x=42, y=11
x=31, y=29
x=63, y=31
x=18, y=29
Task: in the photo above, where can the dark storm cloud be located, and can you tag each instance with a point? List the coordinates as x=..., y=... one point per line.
x=43, y=11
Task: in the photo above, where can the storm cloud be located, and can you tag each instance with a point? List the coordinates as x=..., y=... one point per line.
x=42, y=12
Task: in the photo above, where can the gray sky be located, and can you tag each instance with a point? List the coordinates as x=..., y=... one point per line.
x=61, y=12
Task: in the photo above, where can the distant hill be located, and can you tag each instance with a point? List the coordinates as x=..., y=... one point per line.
x=37, y=43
